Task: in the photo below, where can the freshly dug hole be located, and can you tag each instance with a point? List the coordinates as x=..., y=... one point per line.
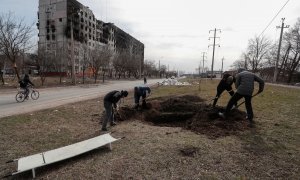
x=191, y=112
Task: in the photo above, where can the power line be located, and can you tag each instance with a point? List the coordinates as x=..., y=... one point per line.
x=274, y=18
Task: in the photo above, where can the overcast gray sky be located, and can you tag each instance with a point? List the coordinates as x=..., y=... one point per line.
x=177, y=31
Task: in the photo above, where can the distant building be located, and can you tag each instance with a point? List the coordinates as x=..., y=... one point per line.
x=56, y=20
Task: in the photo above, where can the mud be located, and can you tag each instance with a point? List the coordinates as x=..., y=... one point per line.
x=189, y=112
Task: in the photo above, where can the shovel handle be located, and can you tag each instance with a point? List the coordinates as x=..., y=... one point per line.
x=244, y=101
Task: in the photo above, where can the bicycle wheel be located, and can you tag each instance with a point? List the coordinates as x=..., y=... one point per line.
x=35, y=94
x=20, y=97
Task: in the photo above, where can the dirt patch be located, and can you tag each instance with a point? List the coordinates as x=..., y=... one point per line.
x=189, y=112
x=189, y=151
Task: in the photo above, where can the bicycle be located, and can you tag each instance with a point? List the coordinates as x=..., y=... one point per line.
x=21, y=96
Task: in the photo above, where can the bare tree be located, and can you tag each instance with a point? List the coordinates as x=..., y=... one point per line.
x=132, y=67
x=45, y=61
x=292, y=56
x=238, y=64
x=119, y=63
x=100, y=57
x=85, y=60
x=149, y=68
x=15, y=36
x=2, y=70
x=257, y=50
x=162, y=70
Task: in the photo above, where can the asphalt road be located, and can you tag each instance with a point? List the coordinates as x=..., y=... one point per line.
x=53, y=97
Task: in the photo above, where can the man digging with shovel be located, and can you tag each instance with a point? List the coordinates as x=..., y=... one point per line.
x=245, y=86
x=110, y=104
x=225, y=84
x=138, y=93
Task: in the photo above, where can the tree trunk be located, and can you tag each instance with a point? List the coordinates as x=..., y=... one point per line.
x=83, y=75
x=17, y=72
x=2, y=79
x=293, y=67
x=103, y=76
x=284, y=62
x=43, y=78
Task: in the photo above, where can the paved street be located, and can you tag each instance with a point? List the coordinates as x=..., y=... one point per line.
x=53, y=97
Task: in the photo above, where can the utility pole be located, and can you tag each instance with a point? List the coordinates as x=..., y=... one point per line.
x=213, y=56
x=203, y=57
x=222, y=68
x=72, y=52
x=279, y=47
x=159, y=68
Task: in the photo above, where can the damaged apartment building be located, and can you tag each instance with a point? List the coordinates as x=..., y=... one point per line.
x=58, y=18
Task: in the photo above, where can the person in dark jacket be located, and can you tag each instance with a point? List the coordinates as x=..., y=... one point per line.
x=138, y=93
x=24, y=84
x=245, y=87
x=110, y=104
x=225, y=84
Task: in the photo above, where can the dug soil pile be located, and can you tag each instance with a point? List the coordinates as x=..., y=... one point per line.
x=189, y=112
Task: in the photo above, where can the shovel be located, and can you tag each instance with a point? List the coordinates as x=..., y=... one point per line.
x=243, y=102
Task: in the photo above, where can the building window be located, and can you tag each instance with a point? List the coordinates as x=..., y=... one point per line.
x=48, y=30
x=48, y=37
x=53, y=36
x=60, y=19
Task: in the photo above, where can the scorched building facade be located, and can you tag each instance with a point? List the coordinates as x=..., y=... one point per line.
x=59, y=19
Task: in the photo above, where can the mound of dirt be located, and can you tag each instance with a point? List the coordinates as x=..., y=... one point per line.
x=192, y=113
x=187, y=111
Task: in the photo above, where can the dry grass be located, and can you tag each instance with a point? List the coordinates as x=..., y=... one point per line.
x=269, y=151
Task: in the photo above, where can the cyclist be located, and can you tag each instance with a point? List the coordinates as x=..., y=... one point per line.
x=138, y=93
x=24, y=84
x=110, y=103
